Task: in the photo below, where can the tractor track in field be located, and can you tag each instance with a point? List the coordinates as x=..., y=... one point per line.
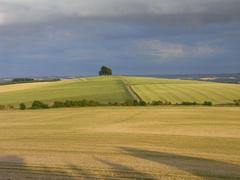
x=131, y=91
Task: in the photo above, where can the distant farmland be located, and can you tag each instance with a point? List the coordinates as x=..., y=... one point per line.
x=120, y=89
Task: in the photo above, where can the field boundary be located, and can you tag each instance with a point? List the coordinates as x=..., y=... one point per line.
x=132, y=92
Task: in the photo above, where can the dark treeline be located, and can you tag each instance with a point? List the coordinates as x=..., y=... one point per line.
x=205, y=103
x=3, y=107
x=237, y=102
x=91, y=103
x=18, y=80
x=27, y=80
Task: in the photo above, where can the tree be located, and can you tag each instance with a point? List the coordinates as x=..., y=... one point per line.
x=105, y=71
x=22, y=106
x=207, y=103
x=39, y=105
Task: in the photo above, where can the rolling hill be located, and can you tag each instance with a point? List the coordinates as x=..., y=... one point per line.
x=119, y=89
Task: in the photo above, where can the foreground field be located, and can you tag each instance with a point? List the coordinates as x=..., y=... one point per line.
x=120, y=89
x=117, y=143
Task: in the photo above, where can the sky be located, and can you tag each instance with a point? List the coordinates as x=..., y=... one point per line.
x=77, y=37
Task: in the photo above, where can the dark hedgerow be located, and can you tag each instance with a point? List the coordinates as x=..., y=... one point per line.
x=39, y=105
x=113, y=104
x=142, y=103
x=207, y=103
x=2, y=107
x=128, y=103
x=236, y=102
x=6, y=107
x=71, y=103
x=157, y=103
x=92, y=103
x=58, y=104
x=134, y=103
x=10, y=107
x=22, y=106
x=189, y=103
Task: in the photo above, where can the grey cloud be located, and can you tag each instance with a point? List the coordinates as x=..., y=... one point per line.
x=193, y=12
x=169, y=51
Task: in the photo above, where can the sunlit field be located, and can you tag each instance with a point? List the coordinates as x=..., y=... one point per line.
x=120, y=89
x=121, y=142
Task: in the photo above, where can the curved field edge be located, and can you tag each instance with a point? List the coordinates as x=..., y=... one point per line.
x=120, y=89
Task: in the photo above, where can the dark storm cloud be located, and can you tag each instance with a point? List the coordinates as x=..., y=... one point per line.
x=193, y=12
x=132, y=36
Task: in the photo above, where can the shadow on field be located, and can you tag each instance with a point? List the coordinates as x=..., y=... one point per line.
x=114, y=171
x=122, y=171
x=201, y=167
x=81, y=172
x=14, y=167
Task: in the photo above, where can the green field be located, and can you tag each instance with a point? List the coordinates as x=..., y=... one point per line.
x=121, y=142
x=99, y=89
x=177, y=91
x=120, y=89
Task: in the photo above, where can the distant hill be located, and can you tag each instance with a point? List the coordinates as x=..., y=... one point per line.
x=119, y=89
x=223, y=78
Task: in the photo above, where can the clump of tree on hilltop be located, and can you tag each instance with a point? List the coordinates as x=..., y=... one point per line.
x=105, y=71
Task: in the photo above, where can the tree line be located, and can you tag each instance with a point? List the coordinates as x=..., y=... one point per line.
x=91, y=103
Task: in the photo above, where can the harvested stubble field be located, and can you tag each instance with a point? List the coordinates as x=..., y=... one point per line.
x=121, y=142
